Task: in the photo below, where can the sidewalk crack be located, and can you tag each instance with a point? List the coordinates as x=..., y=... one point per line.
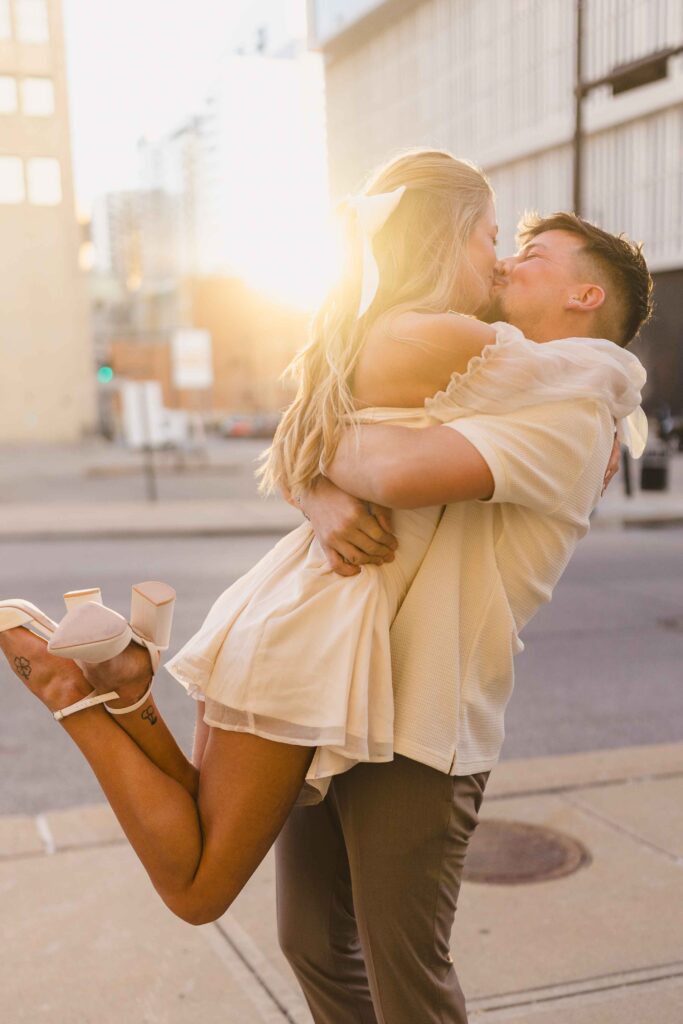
x=621, y=829
x=259, y=968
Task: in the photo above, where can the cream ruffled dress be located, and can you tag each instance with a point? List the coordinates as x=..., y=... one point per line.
x=294, y=652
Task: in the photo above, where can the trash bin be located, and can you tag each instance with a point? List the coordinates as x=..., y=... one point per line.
x=654, y=471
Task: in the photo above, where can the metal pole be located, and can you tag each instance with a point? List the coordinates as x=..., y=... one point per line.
x=150, y=467
x=626, y=468
x=578, y=110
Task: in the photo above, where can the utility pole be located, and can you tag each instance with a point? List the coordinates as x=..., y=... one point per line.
x=578, y=109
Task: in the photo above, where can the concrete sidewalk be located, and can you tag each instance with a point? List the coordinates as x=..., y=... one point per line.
x=255, y=516
x=86, y=938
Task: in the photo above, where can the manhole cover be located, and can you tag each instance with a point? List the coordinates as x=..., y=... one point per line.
x=513, y=852
x=675, y=624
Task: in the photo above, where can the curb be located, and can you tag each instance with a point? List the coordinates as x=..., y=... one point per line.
x=124, y=520
x=653, y=518
x=257, y=530
x=274, y=527
x=53, y=832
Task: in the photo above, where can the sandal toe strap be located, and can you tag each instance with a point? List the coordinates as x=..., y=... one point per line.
x=86, y=702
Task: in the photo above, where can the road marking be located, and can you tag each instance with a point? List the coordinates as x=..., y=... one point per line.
x=45, y=833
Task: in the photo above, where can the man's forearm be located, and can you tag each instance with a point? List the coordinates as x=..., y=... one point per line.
x=405, y=467
x=363, y=463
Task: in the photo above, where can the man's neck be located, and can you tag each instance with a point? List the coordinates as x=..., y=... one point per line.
x=555, y=329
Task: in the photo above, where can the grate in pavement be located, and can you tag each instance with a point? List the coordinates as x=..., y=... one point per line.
x=514, y=852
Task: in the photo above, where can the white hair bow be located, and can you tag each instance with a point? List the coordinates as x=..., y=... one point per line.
x=632, y=431
x=373, y=213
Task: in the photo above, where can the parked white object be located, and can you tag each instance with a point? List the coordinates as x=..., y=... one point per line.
x=191, y=358
x=146, y=421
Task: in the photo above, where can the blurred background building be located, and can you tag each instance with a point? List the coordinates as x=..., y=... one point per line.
x=46, y=381
x=222, y=228
x=207, y=240
x=494, y=81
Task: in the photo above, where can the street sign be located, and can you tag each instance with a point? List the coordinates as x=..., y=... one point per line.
x=191, y=358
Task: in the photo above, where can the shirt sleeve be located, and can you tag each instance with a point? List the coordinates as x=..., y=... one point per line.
x=537, y=454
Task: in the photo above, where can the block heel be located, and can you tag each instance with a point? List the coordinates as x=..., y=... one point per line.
x=151, y=611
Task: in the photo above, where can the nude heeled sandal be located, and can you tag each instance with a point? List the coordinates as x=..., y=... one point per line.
x=91, y=632
x=17, y=612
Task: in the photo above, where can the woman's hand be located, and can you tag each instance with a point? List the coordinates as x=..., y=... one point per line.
x=613, y=464
x=351, y=532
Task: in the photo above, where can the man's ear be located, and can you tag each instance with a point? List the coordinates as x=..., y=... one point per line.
x=585, y=298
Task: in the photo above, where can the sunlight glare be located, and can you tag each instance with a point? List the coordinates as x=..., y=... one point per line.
x=274, y=224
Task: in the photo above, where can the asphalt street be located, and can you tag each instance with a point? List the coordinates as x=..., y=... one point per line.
x=601, y=669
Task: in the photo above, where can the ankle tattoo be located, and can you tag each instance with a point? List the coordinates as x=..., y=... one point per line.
x=23, y=667
x=149, y=715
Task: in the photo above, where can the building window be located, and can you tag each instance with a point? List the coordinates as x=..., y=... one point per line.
x=32, y=22
x=38, y=97
x=5, y=20
x=11, y=180
x=44, y=181
x=8, y=94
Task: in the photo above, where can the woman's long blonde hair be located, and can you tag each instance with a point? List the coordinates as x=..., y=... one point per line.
x=420, y=252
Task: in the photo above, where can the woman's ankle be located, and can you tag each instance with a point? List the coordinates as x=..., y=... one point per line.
x=129, y=673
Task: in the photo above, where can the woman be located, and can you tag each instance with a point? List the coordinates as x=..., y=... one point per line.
x=201, y=833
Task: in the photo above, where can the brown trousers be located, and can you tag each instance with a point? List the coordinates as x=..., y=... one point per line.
x=367, y=887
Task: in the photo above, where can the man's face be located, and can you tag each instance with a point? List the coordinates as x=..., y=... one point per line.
x=534, y=287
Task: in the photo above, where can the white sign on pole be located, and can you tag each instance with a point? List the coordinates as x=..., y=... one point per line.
x=146, y=423
x=191, y=358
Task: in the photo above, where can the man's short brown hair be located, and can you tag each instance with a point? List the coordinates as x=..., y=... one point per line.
x=618, y=266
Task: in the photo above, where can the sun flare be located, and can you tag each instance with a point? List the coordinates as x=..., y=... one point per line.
x=275, y=225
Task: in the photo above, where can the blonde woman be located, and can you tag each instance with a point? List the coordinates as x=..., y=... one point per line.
x=292, y=668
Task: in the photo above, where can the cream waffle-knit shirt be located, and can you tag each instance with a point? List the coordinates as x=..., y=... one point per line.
x=492, y=563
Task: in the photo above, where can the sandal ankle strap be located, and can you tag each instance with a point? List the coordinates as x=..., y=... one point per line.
x=131, y=707
x=86, y=702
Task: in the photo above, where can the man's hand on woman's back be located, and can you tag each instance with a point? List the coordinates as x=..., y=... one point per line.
x=351, y=532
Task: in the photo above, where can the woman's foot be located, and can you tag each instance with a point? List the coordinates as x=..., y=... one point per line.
x=59, y=682
x=129, y=673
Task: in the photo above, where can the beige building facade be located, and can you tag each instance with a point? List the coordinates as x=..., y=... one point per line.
x=47, y=377
x=493, y=80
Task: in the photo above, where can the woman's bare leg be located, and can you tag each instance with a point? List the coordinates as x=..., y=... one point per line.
x=130, y=674
x=201, y=735
x=198, y=852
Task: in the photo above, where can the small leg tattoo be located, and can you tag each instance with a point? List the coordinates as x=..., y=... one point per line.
x=23, y=667
x=148, y=713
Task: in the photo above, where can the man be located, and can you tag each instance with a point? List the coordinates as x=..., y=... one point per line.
x=367, y=881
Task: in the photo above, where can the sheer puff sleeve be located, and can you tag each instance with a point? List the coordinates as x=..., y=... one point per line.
x=513, y=373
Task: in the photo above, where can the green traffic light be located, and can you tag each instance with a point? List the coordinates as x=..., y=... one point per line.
x=105, y=374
